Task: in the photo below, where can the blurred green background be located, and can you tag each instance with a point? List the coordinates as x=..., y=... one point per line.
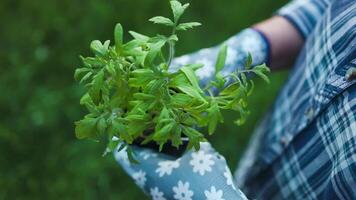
x=40, y=41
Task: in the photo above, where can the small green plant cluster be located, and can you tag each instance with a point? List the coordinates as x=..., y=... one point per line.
x=130, y=90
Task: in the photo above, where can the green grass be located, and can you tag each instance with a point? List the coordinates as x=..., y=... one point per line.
x=39, y=42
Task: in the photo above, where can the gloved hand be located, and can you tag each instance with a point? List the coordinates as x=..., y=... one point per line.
x=239, y=46
x=201, y=174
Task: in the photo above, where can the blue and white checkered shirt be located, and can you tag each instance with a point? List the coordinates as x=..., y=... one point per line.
x=305, y=148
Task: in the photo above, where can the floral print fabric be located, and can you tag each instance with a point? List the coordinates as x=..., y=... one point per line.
x=199, y=174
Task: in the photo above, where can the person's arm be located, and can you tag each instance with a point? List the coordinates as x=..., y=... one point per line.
x=284, y=40
x=287, y=31
x=275, y=41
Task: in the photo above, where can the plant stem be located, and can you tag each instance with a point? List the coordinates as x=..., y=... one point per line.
x=171, y=48
x=171, y=52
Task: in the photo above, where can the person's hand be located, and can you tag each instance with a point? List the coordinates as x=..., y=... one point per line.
x=248, y=41
x=201, y=174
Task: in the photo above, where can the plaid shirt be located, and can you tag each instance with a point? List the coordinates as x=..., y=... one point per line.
x=305, y=148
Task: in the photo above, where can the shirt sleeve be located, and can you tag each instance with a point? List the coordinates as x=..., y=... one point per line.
x=304, y=14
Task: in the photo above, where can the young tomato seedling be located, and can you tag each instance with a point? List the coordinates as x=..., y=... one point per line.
x=130, y=90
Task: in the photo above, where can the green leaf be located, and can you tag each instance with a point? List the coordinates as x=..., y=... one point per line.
x=162, y=20
x=263, y=68
x=173, y=38
x=195, y=67
x=252, y=87
x=101, y=126
x=134, y=117
x=86, y=77
x=188, y=25
x=118, y=33
x=136, y=128
x=191, y=132
x=110, y=68
x=78, y=74
x=191, y=91
x=86, y=128
x=178, y=9
x=262, y=75
x=141, y=77
x=131, y=155
x=178, y=79
x=139, y=36
x=98, y=48
x=220, y=62
x=243, y=79
x=92, y=62
x=176, y=136
x=154, y=86
x=181, y=100
x=194, y=137
x=214, y=116
x=153, y=52
x=118, y=128
x=143, y=96
x=243, y=116
x=106, y=45
x=97, y=85
x=230, y=89
x=85, y=99
x=190, y=121
x=220, y=81
x=133, y=48
x=248, y=62
x=163, y=133
x=260, y=71
x=189, y=73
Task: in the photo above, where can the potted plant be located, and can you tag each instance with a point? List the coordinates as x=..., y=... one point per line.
x=132, y=97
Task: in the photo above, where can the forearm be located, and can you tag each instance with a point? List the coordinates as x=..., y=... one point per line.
x=278, y=46
x=284, y=40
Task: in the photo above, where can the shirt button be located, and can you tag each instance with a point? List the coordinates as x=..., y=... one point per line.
x=309, y=113
x=351, y=74
x=284, y=141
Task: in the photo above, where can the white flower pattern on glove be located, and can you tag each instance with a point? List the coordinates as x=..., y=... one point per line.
x=156, y=194
x=201, y=162
x=182, y=191
x=146, y=155
x=140, y=178
x=213, y=194
x=166, y=167
x=228, y=177
x=185, y=178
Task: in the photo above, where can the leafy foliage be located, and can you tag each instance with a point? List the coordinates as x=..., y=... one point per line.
x=130, y=91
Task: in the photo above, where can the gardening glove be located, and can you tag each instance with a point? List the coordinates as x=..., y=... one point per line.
x=238, y=47
x=201, y=174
